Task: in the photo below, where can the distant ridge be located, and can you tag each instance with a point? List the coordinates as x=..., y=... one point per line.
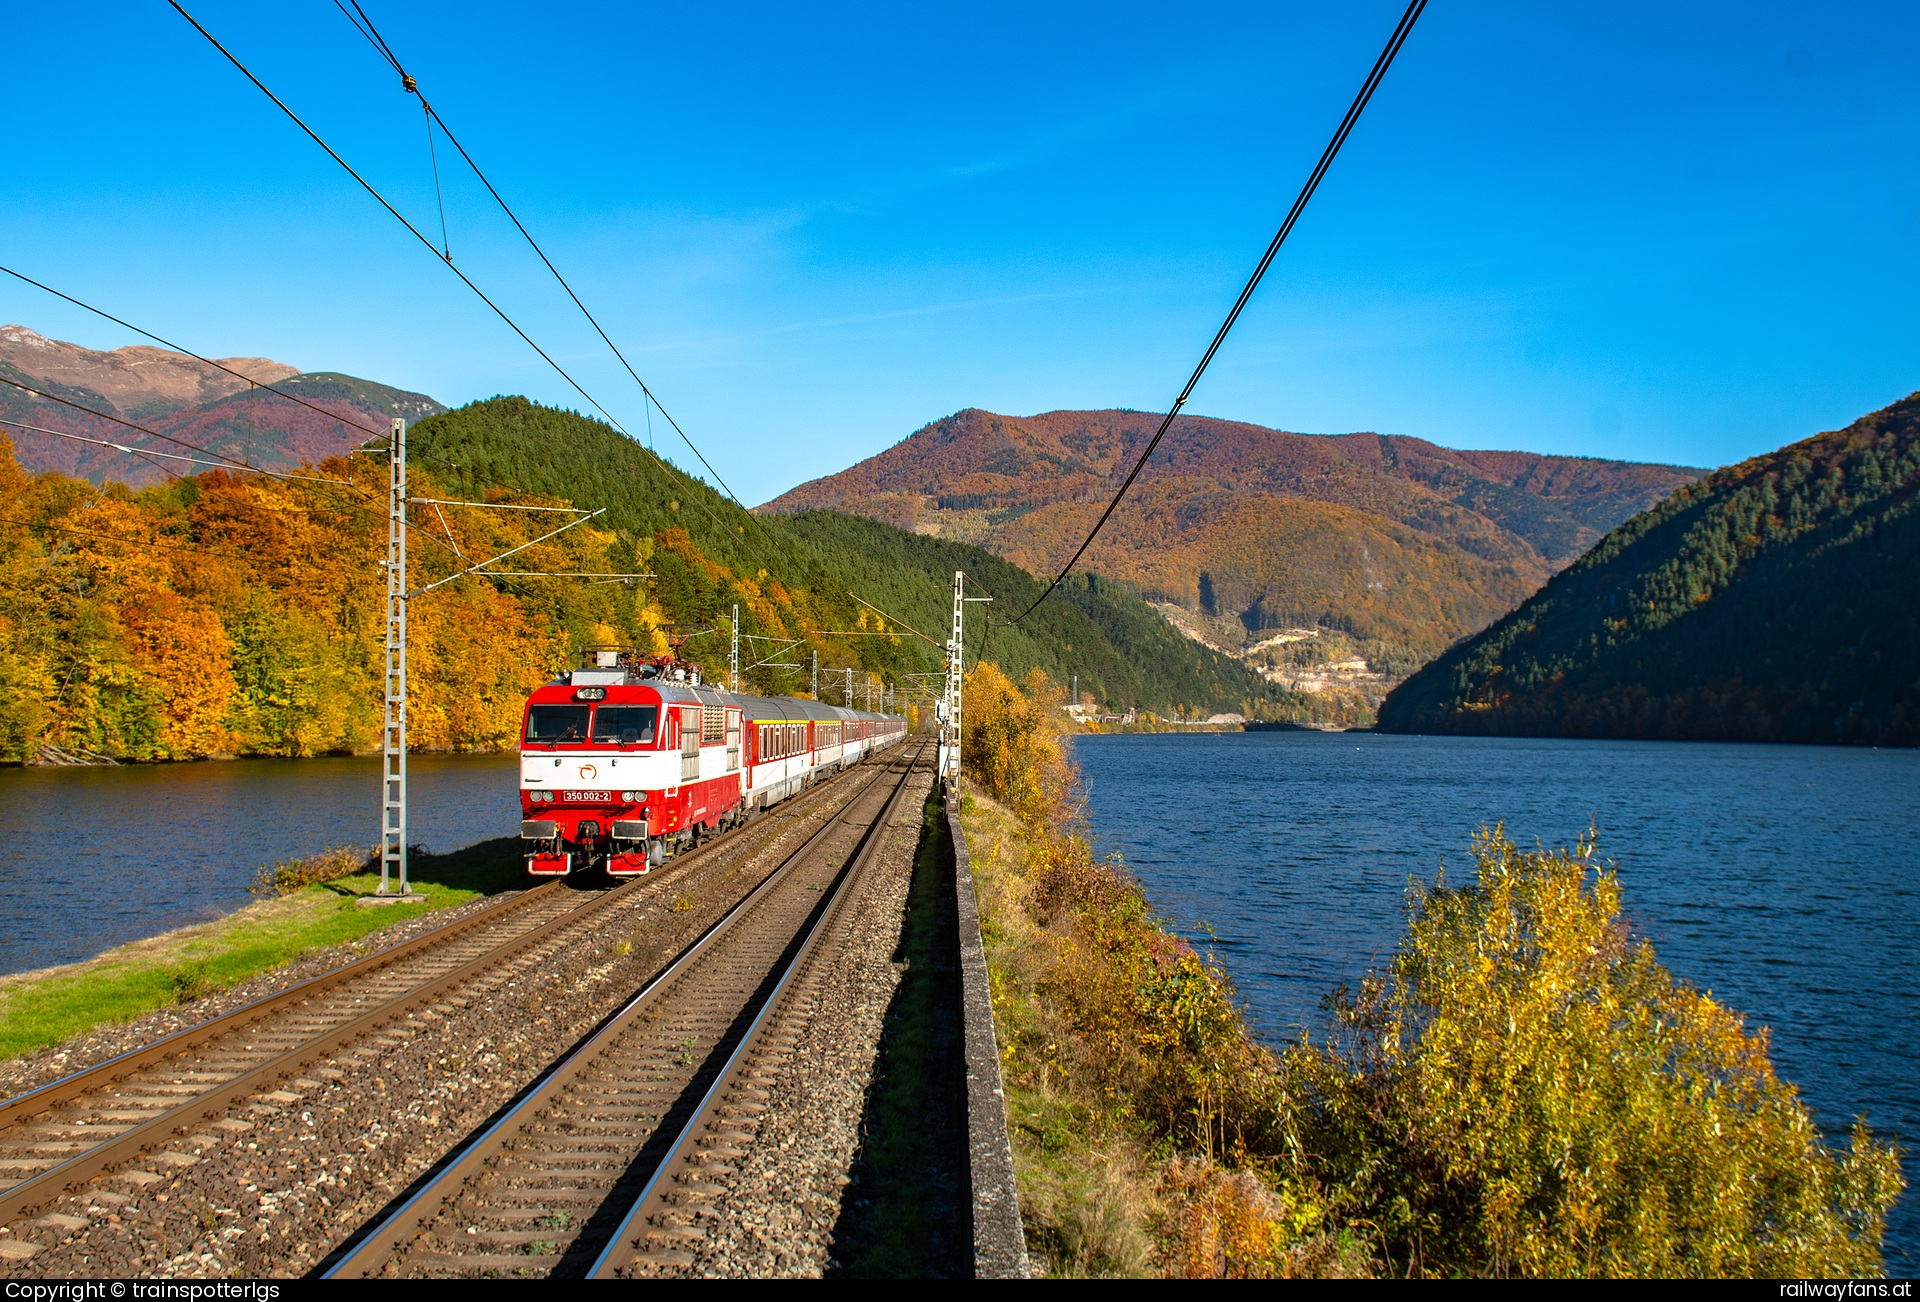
x=139, y=379
x=1241, y=532
x=187, y=399
x=1775, y=600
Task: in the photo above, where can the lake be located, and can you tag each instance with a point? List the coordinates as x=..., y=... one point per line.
x=1785, y=879
x=106, y=855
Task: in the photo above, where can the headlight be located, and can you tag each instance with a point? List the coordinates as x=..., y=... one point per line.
x=633, y=797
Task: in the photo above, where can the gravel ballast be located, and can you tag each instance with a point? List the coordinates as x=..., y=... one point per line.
x=783, y=1193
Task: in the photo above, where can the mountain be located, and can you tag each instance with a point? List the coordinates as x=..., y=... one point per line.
x=138, y=381
x=1380, y=546
x=1123, y=652
x=185, y=399
x=1775, y=600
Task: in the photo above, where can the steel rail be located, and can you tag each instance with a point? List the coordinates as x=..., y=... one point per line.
x=28, y=1196
x=31, y=1194
x=622, y=1246
x=394, y=1233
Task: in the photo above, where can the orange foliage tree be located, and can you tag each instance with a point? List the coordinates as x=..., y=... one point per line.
x=228, y=613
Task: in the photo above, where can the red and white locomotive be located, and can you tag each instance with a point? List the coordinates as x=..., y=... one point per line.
x=628, y=760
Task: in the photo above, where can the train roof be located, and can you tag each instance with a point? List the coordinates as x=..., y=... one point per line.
x=760, y=708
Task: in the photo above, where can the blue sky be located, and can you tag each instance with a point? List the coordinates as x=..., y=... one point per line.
x=1652, y=231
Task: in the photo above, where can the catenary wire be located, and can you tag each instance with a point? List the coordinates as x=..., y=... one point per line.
x=386, y=51
x=1372, y=83
x=105, y=315
x=396, y=213
x=148, y=454
x=229, y=462
x=408, y=82
x=464, y=278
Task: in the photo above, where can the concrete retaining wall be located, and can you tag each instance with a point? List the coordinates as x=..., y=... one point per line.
x=999, y=1242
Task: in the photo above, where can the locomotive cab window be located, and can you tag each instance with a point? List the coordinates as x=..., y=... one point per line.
x=625, y=725
x=557, y=723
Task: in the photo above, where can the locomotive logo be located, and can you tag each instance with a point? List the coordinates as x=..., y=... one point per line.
x=588, y=772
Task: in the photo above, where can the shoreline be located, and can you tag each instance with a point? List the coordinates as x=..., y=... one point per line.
x=109, y=762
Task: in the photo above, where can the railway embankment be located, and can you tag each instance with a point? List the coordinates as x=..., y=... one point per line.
x=835, y=1135
x=1521, y=1090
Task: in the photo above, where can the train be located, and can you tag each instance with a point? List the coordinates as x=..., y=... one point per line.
x=632, y=758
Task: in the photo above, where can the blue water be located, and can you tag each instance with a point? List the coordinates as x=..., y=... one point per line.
x=1785, y=879
x=100, y=856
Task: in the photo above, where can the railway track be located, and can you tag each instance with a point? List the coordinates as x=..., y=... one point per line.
x=602, y=1164
x=57, y=1138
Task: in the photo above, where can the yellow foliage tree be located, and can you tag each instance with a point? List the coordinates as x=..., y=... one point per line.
x=184, y=651
x=1527, y=1091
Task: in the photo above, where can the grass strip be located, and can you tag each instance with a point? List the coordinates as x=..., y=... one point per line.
x=50, y=1005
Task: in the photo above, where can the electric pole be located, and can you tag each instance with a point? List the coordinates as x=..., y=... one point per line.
x=733, y=656
x=846, y=696
x=393, y=737
x=947, y=711
x=816, y=676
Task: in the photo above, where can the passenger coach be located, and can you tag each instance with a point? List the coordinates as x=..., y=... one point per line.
x=633, y=758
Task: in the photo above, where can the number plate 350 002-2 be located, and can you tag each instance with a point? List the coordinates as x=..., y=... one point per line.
x=586, y=797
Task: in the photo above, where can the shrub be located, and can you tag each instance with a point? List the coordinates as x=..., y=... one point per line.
x=1013, y=745
x=190, y=981
x=290, y=875
x=1527, y=1091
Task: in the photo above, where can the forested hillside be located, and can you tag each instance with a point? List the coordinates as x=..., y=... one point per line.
x=1775, y=600
x=240, y=614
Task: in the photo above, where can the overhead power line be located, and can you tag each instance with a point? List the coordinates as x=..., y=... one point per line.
x=149, y=454
x=464, y=278
x=225, y=462
x=1372, y=83
x=364, y=24
x=151, y=458
x=396, y=214
x=902, y=623
x=229, y=462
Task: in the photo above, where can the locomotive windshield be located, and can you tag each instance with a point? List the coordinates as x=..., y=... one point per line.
x=624, y=724
x=552, y=723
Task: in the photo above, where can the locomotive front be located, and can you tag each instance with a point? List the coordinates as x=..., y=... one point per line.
x=593, y=767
